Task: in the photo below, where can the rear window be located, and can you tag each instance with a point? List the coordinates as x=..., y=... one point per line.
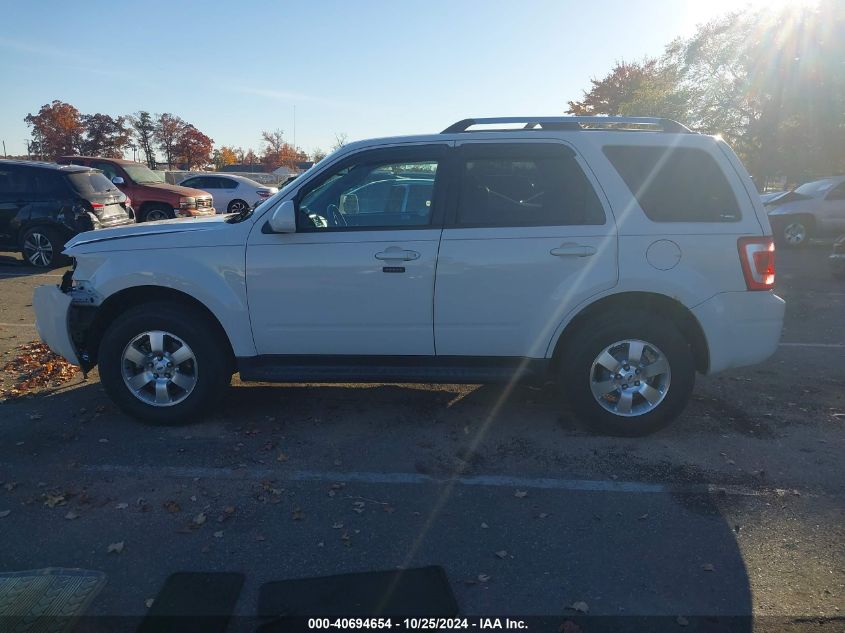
x=89, y=182
x=675, y=184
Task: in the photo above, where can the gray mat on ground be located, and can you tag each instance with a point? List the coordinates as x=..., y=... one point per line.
x=46, y=600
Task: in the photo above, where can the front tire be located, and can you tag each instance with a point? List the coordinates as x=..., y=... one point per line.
x=164, y=364
x=627, y=376
x=154, y=214
x=793, y=232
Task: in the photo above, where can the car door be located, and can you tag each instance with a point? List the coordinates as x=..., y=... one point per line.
x=226, y=190
x=527, y=239
x=832, y=216
x=357, y=276
x=15, y=194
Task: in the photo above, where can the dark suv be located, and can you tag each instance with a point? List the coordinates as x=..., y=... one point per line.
x=43, y=205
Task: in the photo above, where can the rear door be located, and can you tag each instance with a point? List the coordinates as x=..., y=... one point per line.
x=527, y=239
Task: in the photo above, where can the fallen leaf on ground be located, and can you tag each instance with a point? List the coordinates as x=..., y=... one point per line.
x=11, y=485
x=115, y=548
x=502, y=553
x=35, y=367
x=70, y=516
x=218, y=534
x=260, y=537
x=483, y=577
x=35, y=416
x=199, y=519
x=519, y=494
x=484, y=526
x=172, y=507
x=643, y=517
x=337, y=526
x=149, y=602
x=297, y=514
x=121, y=506
x=708, y=567
x=51, y=501
x=5, y=513
x=681, y=620
x=580, y=607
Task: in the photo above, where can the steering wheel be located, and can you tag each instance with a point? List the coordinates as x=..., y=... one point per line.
x=337, y=216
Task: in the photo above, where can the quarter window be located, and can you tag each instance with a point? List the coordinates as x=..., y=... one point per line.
x=524, y=185
x=383, y=194
x=675, y=184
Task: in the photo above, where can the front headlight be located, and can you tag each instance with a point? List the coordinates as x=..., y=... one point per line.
x=187, y=203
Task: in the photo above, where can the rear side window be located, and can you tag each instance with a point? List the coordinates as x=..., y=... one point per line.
x=15, y=181
x=527, y=184
x=89, y=182
x=675, y=184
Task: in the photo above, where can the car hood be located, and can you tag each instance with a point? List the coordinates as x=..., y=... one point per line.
x=178, y=189
x=207, y=231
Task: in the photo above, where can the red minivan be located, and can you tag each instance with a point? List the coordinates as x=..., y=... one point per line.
x=152, y=197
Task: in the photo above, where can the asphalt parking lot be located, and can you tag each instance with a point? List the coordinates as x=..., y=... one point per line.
x=737, y=509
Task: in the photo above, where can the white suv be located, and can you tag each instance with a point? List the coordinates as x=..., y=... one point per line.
x=614, y=257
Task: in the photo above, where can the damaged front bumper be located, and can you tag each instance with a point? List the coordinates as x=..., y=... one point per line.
x=63, y=316
x=52, y=307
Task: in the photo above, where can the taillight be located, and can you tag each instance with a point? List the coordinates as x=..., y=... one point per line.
x=127, y=202
x=757, y=256
x=96, y=205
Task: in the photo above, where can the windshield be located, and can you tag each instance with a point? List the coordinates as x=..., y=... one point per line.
x=281, y=193
x=816, y=188
x=143, y=174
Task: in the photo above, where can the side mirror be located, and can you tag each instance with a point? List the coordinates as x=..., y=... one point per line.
x=283, y=219
x=117, y=180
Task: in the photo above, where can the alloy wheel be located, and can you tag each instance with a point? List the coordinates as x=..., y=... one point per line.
x=38, y=249
x=794, y=233
x=159, y=368
x=630, y=378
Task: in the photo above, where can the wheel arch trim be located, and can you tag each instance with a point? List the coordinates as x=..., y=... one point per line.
x=671, y=307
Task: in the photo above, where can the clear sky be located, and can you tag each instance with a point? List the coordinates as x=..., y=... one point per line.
x=361, y=67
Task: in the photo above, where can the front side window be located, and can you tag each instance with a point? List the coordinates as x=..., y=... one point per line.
x=675, y=184
x=380, y=194
x=837, y=193
x=524, y=185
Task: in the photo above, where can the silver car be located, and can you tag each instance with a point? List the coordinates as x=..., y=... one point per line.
x=815, y=209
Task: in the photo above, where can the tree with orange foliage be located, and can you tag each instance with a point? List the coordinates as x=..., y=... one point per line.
x=56, y=130
x=280, y=153
x=193, y=147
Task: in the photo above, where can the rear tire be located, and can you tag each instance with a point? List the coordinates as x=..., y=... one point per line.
x=41, y=246
x=195, y=379
x=236, y=206
x=634, y=403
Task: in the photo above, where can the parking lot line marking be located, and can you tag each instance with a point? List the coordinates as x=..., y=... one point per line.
x=489, y=481
x=29, y=275
x=32, y=325
x=822, y=345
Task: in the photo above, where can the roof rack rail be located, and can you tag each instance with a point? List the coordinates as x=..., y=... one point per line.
x=576, y=123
